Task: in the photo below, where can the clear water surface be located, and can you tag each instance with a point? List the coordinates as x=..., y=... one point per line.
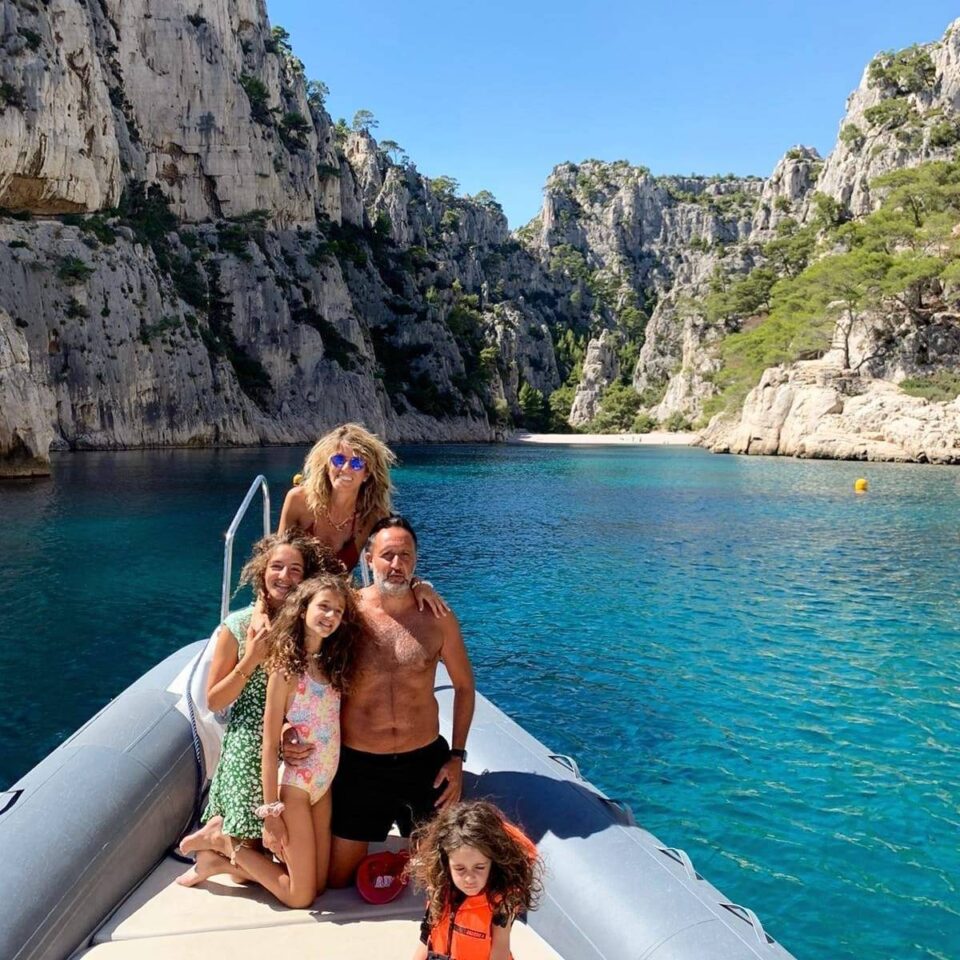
x=762, y=663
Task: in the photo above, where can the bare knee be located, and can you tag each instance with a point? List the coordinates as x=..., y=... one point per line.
x=300, y=901
x=297, y=899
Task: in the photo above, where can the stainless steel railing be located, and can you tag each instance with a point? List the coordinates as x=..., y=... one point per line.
x=261, y=484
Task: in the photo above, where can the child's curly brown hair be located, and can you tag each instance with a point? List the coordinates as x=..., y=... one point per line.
x=286, y=639
x=514, y=884
x=317, y=558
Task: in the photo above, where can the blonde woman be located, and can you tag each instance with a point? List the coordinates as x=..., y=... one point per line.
x=345, y=489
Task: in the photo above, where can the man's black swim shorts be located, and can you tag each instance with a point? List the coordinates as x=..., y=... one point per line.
x=371, y=791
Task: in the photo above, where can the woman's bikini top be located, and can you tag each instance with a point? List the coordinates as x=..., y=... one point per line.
x=348, y=554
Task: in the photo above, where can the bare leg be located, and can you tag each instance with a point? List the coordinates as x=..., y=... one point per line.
x=200, y=839
x=345, y=857
x=321, y=811
x=209, y=864
x=293, y=883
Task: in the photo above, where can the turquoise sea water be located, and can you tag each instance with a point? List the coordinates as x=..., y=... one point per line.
x=762, y=664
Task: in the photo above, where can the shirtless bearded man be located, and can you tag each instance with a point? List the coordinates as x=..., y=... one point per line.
x=394, y=765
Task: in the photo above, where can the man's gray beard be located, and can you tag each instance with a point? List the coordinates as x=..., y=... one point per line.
x=390, y=589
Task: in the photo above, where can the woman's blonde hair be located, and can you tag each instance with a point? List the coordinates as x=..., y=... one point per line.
x=286, y=639
x=373, y=500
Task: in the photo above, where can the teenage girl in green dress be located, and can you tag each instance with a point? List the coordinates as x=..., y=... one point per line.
x=237, y=679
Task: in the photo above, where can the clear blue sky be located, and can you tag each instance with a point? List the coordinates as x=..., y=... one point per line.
x=497, y=93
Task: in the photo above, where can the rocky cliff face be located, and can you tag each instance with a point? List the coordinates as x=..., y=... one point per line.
x=634, y=247
x=600, y=368
x=905, y=112
x=192, y=253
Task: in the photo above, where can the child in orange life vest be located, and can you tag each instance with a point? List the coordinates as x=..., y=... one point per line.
x=480, y=872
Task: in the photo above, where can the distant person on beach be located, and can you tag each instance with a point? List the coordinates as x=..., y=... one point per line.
x=344, y=490
x=395, y=767
x=237, y=680
x=479, y=872
x=311, y=659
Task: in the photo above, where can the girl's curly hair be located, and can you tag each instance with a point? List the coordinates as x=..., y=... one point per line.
x=286, y=639
x=317, y=558
x=373, y=500
x=514, y=884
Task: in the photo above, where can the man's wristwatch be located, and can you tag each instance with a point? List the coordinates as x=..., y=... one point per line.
x=459, y=752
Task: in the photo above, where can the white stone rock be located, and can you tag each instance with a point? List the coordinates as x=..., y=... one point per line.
x=600, y=368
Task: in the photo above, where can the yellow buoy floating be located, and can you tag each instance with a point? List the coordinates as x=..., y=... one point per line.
x=860, y=485
x=298, y=479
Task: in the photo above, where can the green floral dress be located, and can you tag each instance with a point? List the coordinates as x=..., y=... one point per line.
x=237, y=790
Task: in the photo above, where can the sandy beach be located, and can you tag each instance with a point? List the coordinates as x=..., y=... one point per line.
x=661, y=438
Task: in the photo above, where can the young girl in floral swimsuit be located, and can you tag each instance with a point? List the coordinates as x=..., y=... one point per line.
x=237, y=680
x=311, y=659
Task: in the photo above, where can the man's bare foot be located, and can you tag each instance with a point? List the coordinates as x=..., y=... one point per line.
x=208, y=865
x=201, y=839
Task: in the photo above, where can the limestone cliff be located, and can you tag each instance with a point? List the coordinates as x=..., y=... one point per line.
x=904, y=112
x=814, y=409
x=680, y=251
x=848, y=403
x=191, y=252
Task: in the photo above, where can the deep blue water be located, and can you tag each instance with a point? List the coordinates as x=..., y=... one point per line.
x=762, y=663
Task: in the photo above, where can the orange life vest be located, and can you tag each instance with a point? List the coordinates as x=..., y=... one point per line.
x=468, y=934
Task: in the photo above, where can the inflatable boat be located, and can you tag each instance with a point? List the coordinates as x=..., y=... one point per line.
x=86, y=869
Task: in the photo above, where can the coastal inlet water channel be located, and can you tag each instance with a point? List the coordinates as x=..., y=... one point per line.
x=762, y=663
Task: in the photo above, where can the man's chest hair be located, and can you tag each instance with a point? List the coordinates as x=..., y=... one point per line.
x=394, y=647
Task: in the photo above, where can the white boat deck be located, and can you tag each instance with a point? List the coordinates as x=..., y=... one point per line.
x=222, y=919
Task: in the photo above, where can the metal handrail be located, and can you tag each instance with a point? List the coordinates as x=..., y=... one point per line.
x=261, y=483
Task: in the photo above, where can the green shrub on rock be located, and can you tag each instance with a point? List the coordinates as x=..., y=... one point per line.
x=942, y=386
x=643, y=423
x=619, y=404
x=259, y=97
x=676, y=423
x=294, y=128
x=73, y=270
x=891, y=113
x=852, y=136
x=945, y=134
x=906, y=71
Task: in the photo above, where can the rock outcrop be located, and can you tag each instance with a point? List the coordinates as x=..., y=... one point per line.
x=600, y=369
x=812, y=409
x=905, y=112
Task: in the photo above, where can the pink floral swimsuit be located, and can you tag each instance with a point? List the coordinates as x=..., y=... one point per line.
x=315, y=712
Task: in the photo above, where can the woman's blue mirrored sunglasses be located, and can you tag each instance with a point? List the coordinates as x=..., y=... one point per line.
x=356, y=463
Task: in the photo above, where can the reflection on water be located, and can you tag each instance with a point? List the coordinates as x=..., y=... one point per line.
x=762, y=663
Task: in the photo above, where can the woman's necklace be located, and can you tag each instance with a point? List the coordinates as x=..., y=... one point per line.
x=333, y=523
